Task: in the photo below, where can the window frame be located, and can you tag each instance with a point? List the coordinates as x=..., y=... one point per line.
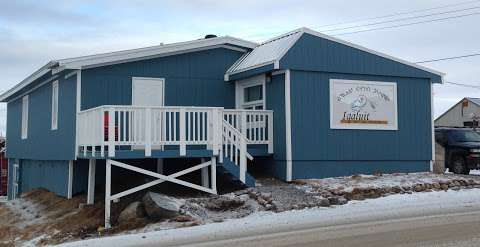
x=55, y=92
x=240, y=87
x=24, y=123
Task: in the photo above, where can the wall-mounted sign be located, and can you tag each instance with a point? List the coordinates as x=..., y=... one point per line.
x=363, y=105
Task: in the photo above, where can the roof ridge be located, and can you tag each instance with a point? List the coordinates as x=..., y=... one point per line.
x=147, y=48
x=284, y=35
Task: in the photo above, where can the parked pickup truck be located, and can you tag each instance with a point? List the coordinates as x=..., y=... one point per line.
x=462, y=148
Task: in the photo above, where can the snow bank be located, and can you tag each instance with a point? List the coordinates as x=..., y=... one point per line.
x=386, y=208
x=347, y=184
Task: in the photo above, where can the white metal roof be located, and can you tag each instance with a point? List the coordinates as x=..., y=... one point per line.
x=83, y=62
x=271, y=51
x=266, y=53
x=474, y=100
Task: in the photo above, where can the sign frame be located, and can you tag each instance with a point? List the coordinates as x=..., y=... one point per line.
x=332, y=98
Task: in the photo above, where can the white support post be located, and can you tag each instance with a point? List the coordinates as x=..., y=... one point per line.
x=111, y=133
x=243, y=159
x=108, y=181
x=70, y=180
x=213, y=174
x=270, y=133
x=205, y=182
x=160, y=166
x=91, y=181
x=148, y=135
x=183, y=146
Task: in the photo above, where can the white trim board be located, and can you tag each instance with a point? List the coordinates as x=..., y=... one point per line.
x=249, y=82
x=78, y=108
x=70, y=179
x=136, y=57
x=433, y=128
x=91, y=61
x=37, y=74
x=288, y=128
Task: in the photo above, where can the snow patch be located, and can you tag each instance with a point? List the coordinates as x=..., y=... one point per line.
x=392, y=207
x=28, y=212
x=347, y=184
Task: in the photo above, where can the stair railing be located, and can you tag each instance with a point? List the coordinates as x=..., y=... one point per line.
x=234, y=148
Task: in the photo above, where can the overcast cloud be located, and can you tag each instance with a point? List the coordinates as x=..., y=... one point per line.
x=35, y=32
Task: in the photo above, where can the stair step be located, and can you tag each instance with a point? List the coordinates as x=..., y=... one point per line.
x=231, y=168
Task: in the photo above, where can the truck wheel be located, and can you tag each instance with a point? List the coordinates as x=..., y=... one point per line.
x=458, y=165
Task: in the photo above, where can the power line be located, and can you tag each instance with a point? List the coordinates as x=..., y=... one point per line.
x=463, y=84
x=449, y=58
x=409, y=24
x=397, y=14
x=374, y=18
x=400, y=19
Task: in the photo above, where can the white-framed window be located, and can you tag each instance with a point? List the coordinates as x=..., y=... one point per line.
x=54, y=105
x=24, y=117
x=250, y=93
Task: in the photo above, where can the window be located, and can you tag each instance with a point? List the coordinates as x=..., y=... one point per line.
x=253, y=97
x=470, y=124
x=250, y=93
x=254, y=93
x=24, y=116
x=55, y=105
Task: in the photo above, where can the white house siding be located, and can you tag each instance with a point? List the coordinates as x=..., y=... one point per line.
x=454, y=116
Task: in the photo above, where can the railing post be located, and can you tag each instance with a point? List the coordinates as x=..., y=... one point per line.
x=270, y=133
x=217, y=120
x=183, y=146
x=111, y=132
x=101, y=131
x=243, y=158
x=148, y=132
x=210, y=130
x=243, y=123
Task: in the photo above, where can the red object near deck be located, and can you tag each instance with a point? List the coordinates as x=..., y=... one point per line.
x=105, y=128
x=3, y=174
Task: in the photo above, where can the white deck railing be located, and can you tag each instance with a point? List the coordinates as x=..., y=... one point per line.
x=107, y=128
x=256, y=125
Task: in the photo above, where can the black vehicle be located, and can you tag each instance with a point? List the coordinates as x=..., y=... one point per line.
x=462, y=148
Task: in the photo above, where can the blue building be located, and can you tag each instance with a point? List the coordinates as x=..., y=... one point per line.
x=301, y=105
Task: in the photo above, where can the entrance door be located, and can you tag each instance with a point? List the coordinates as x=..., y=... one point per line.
x=147, y=91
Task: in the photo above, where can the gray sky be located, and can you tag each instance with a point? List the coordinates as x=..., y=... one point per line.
x=34, y=32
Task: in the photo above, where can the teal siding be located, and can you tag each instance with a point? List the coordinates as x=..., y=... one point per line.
x=325, y=169
x=275, y=100
x=192, y=79
x=51, y=175
x=80, y=176
x=313, y=53
x=10, y=179
x=314, y=143
x=43, y=143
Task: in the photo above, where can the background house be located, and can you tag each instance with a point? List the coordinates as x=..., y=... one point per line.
x=301, y=105
x=465, y=113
